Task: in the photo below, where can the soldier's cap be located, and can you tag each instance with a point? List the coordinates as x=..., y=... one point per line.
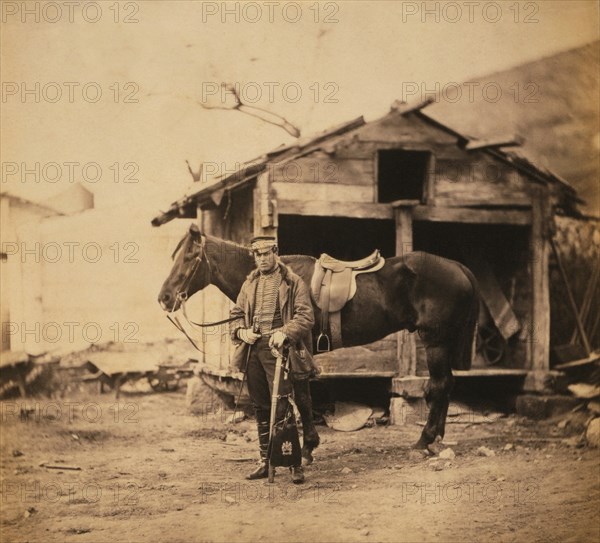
x=262, y=243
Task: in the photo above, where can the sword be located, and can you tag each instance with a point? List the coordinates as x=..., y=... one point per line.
x=274, y=398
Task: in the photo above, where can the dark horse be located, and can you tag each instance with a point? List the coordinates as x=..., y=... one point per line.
x=415, y=292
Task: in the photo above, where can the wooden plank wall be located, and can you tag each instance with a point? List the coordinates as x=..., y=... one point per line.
x=347, y=171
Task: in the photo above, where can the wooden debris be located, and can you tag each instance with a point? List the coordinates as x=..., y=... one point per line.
x=59, y=466
x=499, y=307
x=594, y=407
x=583, y=390
x=592, y=433
x=592, y=358
x=580, y=328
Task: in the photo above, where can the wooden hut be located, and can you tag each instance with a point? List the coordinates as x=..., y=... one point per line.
x=400, y=183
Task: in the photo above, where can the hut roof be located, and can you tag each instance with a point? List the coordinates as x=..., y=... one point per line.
x=186, y=206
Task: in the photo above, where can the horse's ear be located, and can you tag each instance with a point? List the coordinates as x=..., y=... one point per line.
x=194, y=230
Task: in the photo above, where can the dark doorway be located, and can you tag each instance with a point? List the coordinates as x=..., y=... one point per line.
x=340, y=237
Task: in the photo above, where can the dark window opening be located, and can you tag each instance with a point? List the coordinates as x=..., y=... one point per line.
x=401, y=174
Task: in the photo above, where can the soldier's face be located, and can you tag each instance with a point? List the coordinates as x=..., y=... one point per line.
x=265, y=260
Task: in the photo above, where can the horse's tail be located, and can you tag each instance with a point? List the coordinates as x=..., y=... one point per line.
x=466, y=343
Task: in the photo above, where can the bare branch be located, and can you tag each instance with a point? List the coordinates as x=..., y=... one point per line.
x=258, y=112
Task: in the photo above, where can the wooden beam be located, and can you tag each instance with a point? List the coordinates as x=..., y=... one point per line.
x=470, y=215
x=263, y=210
x=406, y=342
x=591, y=359
x=406, y=107
x=539, y=334
x=506, y=141
x=479, y=197
x=318, y=208
x=490, y=372
x=404, y=229
x=354, y=375
x=330, y=192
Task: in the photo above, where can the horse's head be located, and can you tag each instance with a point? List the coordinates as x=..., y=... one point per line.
x=190, y=272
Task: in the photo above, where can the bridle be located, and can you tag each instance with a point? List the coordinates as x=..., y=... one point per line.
x=182, y=294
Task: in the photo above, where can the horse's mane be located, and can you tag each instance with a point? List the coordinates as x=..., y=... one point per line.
x=229, y=242
x=179, y=244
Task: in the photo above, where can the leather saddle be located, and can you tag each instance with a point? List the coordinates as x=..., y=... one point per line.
x=332, y=286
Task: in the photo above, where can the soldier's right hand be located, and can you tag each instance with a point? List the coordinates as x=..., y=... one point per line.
x=247, y=335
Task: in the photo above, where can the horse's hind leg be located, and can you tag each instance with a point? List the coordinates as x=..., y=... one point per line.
x=437, y=393
x=310, y=435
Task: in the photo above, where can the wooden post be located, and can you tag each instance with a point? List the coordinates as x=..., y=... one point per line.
x=265, y=214
x=407, y=349
x=539, y=334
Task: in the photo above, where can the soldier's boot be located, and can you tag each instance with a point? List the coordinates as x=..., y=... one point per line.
x=297, y=474
x=262, y=422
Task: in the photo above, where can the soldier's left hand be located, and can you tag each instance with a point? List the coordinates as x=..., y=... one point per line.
x=277, y=339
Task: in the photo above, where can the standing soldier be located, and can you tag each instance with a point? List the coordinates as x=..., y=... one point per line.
x=273, y=307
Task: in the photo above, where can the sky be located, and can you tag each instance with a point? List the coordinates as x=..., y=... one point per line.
x=120, y=84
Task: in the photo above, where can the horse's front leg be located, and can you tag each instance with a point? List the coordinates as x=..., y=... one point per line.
x=310, y=435
x=437, y=394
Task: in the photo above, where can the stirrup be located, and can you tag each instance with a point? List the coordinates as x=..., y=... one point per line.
x=323, y=337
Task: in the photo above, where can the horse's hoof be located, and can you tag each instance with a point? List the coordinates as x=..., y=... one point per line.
x=436, y=447
x=421, y=445
x=311, y=441
x=307, y=457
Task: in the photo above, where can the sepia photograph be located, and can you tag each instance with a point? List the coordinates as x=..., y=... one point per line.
x=300, y=271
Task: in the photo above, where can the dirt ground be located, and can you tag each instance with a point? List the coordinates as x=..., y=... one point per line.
x=148, y=471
